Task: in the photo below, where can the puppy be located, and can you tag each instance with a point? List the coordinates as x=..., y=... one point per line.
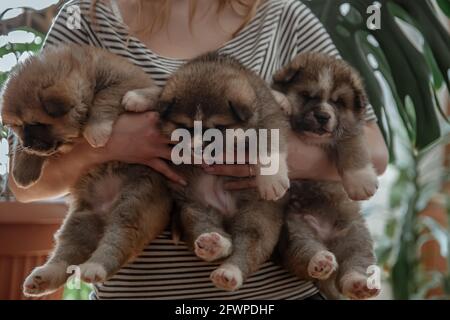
x=237, y=228
x=326, y=237
x=50, y=101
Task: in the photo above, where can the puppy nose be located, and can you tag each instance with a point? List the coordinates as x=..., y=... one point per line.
x=322, y=117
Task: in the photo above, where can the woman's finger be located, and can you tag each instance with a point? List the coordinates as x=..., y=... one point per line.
x=151, y=116
x=232, y=156
x=232, y=170
x=167, y=140
x=165, y=152
x=163, y=168
x=241, y=184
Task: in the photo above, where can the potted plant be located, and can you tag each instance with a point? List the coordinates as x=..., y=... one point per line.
x=26, y=235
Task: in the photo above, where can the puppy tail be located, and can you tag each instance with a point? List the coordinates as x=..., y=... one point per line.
x=175, y=224
x=176, y=236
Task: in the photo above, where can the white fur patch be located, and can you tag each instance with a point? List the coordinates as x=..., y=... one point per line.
x=212, y=246
x=198, y=113
x=273, y=187
x=227, y=277
x=322, y=265
x=135, y=102
x=360, y=184
x=326, y=80
x=93, y=272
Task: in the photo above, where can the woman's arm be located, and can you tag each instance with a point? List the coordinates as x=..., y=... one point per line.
x=310, y=162
x=135, y=139
x=58, y=174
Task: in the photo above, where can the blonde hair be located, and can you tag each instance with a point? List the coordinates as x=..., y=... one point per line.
x=163, y=8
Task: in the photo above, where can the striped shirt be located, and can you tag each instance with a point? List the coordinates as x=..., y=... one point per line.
x=279, y=31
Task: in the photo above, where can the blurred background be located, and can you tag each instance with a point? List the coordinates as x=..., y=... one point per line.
x=402, y=49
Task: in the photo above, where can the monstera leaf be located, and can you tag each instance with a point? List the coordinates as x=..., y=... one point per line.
x=408, y=70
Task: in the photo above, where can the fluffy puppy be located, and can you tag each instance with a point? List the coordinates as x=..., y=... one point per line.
x=237, y=228
x=326, y=237
x=53, y=99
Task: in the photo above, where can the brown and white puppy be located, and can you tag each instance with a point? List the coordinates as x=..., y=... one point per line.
x=237, y=228
x=50, y=101
x=326, y=237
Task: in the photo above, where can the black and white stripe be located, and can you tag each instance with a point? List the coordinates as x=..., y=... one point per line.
x=280, y=30
x=166, y=271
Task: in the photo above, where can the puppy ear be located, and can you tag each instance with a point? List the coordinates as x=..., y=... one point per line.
x=286, y=74
x=27, y=168
x=292, y=70
x=241, y=98
x=56, y=101
x=240, y=112
x=361, y=100
x=165, y=107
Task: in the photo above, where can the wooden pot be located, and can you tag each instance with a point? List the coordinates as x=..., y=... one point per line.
x=26, y=239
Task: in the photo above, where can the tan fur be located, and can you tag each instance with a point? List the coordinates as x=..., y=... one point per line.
x=324, y=228
x=226, y=94
x=116, y=209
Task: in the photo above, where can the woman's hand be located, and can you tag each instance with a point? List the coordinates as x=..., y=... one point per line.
x=306, y=161
x=234, y=170
x=136, y=138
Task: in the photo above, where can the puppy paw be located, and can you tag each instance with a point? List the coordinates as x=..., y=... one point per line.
x=92, y=272
x=97, y=134
x=360, y=184
x=212, y=246
x=322, y=265
x=141, y=100
x=45, y=280
x=272, y=187
x=227, y=277
x=355, y=286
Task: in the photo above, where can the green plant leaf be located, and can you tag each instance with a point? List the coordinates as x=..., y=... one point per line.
x=439, y=233
x=434, y=32
x=445, y=6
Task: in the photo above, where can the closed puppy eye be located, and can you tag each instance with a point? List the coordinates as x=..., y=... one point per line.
x=305, y=94
x=220, y=127
x=36, y=124
x=340, y=102
x=165, y=107
x=181, y=126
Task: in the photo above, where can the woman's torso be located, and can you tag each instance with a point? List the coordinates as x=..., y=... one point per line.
x=278, y=31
